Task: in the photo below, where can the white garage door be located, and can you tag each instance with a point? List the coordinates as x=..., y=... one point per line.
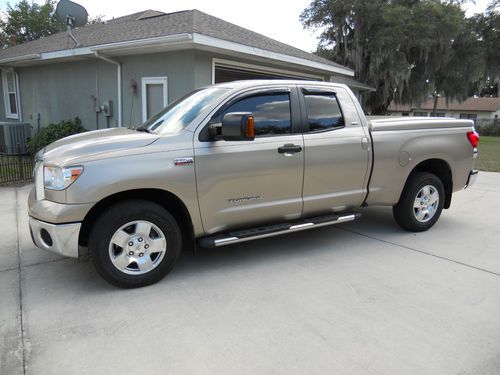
x=232, y=71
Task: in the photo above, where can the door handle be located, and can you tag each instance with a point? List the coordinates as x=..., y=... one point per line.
x=289, y=148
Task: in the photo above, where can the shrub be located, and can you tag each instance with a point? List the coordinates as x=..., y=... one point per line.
x=53, y=132
x=488, y=127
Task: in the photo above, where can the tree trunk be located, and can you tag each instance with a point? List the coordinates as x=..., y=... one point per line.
x=435, y=96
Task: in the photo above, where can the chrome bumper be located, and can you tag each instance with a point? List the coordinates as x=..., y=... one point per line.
x=57, y=238
x=472, y=178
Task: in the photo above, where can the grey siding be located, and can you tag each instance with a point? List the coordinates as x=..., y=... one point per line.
x=177, y=66
x=66, y=90
x=202, y=69
x=63, y=91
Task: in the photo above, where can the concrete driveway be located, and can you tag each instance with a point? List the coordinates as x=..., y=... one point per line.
x=359, y=298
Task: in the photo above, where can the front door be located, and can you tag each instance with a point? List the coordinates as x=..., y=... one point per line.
x=241, y=183
x=154, y=96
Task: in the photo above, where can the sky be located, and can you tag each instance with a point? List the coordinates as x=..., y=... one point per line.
x=277, y=19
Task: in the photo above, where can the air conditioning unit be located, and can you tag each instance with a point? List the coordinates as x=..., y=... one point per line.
x=13, y=137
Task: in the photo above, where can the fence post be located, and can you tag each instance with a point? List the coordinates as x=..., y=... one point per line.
x=20, y=163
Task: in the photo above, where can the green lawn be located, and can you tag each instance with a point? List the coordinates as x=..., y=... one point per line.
x=489, y=154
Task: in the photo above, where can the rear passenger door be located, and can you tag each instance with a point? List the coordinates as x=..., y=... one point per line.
x=337, y=152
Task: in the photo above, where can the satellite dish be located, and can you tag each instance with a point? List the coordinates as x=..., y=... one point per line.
x=73, y=15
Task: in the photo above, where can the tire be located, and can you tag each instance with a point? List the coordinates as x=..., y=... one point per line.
x=417, y=209
x=134, y=243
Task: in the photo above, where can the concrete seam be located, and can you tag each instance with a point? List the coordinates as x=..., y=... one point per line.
x=484, y=190
x=20, y=288
x=422, y=252
x=9, y=269
x=47, y=262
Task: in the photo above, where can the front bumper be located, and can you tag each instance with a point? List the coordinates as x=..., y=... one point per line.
x=472, y=178
x=53, y=212
x=58, y=238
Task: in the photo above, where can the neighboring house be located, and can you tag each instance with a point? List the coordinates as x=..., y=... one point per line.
x=127, y=69
x=472, y=108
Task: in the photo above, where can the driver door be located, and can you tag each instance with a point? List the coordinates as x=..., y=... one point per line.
x=245, y=183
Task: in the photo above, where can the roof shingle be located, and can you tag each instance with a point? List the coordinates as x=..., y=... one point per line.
x=151, y=24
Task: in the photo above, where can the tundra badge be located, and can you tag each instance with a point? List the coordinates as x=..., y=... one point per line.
x=244, y=199
x=178, y=162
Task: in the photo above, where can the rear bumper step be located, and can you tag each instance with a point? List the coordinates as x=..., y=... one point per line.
x=471, y=180
x=238, y=236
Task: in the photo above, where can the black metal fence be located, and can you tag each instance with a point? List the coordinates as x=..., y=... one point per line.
x=15, y=166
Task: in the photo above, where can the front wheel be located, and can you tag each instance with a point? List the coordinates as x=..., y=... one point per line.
x=421, y=202
x=134, y=243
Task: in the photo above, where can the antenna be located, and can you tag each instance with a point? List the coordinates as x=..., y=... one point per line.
x=73, y=15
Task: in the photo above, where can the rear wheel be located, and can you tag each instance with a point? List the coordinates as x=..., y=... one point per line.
x=135, y=243
x=421, y=202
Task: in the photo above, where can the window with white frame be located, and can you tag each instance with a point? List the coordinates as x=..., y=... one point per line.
x=10, y=94
x=154, y=96
x=469, y=116
x=420, y=114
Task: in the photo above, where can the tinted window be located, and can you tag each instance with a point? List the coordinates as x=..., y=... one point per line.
x=323, y=112
x=271, y=113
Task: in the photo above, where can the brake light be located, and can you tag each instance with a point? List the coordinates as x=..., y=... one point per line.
x=473, y=138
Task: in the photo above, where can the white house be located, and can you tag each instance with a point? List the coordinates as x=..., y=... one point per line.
x=472, y=108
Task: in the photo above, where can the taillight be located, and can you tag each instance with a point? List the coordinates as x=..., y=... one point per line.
x=473, y=138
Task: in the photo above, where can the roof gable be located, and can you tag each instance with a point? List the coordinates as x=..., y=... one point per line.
x=150, y=14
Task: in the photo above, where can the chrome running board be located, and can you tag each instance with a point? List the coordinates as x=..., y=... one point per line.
x=238, y=236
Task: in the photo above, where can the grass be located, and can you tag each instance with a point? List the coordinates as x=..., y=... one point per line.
x=489, y=154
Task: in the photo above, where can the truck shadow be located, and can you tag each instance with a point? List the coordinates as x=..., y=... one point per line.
x=309, y=243
x=315, y=245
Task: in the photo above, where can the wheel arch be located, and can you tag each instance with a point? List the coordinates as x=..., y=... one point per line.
x=165, y=199
x=442, y=170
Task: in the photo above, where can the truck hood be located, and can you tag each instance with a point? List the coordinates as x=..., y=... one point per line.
x=80, y=146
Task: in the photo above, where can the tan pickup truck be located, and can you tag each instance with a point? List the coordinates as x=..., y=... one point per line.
x=236, y=162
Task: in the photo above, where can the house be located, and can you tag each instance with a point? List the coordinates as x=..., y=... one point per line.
x=476, y=109
x=125, y=70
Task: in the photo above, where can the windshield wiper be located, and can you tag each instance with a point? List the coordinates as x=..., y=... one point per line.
x=142, y=129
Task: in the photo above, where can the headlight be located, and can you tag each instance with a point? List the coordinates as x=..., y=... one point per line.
x=57, y=178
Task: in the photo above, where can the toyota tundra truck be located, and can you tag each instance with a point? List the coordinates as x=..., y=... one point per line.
x=235, y=162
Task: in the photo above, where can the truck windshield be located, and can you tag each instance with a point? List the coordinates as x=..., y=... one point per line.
x=180, y=113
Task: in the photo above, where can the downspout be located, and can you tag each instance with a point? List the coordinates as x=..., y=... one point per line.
x=18, y=96
x=119, y=71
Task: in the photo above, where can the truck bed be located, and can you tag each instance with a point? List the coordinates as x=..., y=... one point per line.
x=382, y=123
x=400, y=144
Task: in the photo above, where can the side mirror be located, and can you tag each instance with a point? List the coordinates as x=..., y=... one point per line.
x=238, y=126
